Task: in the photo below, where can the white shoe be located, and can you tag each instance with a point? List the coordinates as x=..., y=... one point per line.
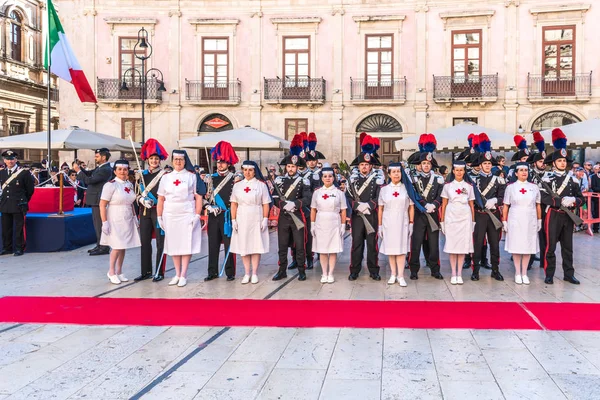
x=518, y=279
x=402, y=281
x=254, y=279
x=392, y=280
x=114, y=279
x=245, y=279
x=453, y=280
x=174, y=281
x=330, y=279
x=182, y=282
x=323, y=278
x=525, y=279
x=459, y=280
x=122, y=278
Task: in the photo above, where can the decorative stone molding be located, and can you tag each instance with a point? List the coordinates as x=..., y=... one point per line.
x=90, y=11
x=422, y=8
x=477, y=16
x=258, y=14
x=508, y=3
x=175, y=13
x=364, y=21
x=229, y=24
x=112, y=21
x=284, y=22
x=340, y=11
x=573, y=11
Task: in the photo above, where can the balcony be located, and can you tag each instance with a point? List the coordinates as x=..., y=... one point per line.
x=465, y=89
x=577, y=89
x=309, y=91
x=365, y=92
x=211, y=93
x=109, y=91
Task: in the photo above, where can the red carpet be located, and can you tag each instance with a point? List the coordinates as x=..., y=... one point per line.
x=300, y=313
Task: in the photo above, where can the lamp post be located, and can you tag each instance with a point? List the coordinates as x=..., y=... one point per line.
x=143, y=43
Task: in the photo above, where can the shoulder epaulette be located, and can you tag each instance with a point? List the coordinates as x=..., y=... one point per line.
x=111, y=181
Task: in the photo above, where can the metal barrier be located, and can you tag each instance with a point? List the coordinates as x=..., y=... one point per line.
x=585, y=211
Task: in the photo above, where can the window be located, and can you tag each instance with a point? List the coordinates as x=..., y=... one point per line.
x=296, y=60
x=559, y=52
x=15, y=36
x=379, y=56
x=553, y=119
x=17, y=128
x=294, y=126
x=127, y=57
x=215, y=74
x=463, y=120
x=133, y=127
x=466, y=55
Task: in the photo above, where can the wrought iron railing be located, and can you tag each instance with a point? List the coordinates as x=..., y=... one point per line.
x=362, y=89
x=474, y=86
x=303, y=89
x=199, y=90
x=111, y=89
x=540, y=86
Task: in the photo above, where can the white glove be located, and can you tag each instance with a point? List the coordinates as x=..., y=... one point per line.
x=380, y=231
x=264, y=224
x=410, y=229
x=313, y=229
x=146, y=202
x=289, y=206
x=472, y=231
x=106, y=228
x=491, y=203
x=342, y=230
x=195, y=220
x=505, y=226
x=161, y=223
x=539, y=225
x=213, y=210
x=443, y=227
x=568, y=201
x=429, y=208
x=363, y=208
x=234, y=225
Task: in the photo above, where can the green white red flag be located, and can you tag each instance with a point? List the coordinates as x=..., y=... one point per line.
x=63, y=62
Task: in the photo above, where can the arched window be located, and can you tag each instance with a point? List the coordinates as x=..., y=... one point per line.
x=15, y=36
x=379, y=123
x=384, y=127
x=210, y=124
x=553, y=119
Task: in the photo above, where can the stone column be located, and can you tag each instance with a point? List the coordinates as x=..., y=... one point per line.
x=421, y=76
x=256, y=80
x=511, y=88
x=334, y=150
x=172, y=81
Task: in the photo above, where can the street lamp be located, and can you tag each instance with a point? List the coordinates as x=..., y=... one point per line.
x=153, y=73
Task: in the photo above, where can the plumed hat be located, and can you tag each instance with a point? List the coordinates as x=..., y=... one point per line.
x=152, y=147
x=311, y=148
x=224, y=152
x=540, y=145
x=484, y=151
x=427, y=145
x=367, y=154
x=295, y=156
x=559, y=141
x=522, y=151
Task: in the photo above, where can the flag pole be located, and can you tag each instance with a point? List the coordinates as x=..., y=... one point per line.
x=49, y=59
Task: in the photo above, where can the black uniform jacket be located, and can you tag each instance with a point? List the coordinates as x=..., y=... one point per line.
x=17, y=193
x=95, y=181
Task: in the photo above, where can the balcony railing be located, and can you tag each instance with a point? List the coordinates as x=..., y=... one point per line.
x=110, y=89
x=301, y=89
x=477, y=86
x=579, y=85
x=362, y=89
x=220, y=91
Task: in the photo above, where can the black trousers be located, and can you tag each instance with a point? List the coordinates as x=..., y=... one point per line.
x=216, y=236
x=484, y=226
x=97, y=221
x=424, y=237
x=359, y=236
x=307, y=243
x=559, y=229
x=7, y=231
x=289, y=236
x=542, y=238
x=148, y=224
x=595, y=213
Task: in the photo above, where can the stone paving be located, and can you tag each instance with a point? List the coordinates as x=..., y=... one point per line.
x=121, y=362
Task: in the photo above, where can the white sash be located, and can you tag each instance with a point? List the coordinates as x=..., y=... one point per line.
x=563, y=186
x=365, y=185
x=153, y=183
x=292, y=187
x=489, y=186
x=222, y=184
x=11, y=178
x=428, y=187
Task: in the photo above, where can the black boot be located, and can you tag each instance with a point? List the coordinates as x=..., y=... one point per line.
x=280, y=275
x=142, y=277
x=549, y=280
x=293, y=265
x=475, y=274
x=158, y=278
x=496, y=274
x=309, y=264
x=301, y=274
x=485, y=264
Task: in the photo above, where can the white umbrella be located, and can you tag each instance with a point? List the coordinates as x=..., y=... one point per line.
x=454, y=138
x=67, y=139
x=580, y=134
x=245, y=138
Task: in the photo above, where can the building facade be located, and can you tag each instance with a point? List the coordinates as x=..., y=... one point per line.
x=337, y=68
x=23, y=81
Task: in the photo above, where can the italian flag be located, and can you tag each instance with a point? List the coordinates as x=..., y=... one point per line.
x=63, y=62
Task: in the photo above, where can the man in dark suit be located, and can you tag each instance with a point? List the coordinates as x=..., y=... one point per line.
x=95, y=181
x=17, y=189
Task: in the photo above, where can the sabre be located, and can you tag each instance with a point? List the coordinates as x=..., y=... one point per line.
x=432, y=225
x=158, y=267
x=135, y=153
x=354, y=195
x=299, y=224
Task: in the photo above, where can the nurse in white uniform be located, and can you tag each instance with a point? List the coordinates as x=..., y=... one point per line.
x=396, y=216
x=522, y=219
x=328, y=223
x=457, y=219
x=250, y=201
x=119, y=222
x=178, y=210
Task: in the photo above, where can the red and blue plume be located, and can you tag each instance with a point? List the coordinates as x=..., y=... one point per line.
x=297, y=146
x=485, y=143
x=421, y=143
x=362, y=137
x=470, y=140
x=475, y=142
x=559, y=140
x=224, y=151
x=153, y=147
x=376, y=143
x=304, y=138
x=429, y=142
x=538, y=139
x=312, y=141
x=368, y=145
x=520, y=142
